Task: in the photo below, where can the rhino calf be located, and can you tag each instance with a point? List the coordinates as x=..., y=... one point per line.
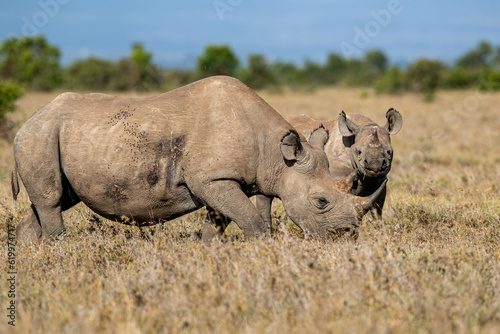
x=212, y=143
x=357, y=144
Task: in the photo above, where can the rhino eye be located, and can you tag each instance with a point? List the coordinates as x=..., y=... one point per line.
x=358, y=152
x=321, y=202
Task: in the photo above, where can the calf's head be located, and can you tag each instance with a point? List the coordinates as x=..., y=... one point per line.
x=311, y=196
x=371, y=150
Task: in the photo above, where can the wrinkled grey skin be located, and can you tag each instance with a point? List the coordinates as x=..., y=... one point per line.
x=357, y=144
x=212, y=143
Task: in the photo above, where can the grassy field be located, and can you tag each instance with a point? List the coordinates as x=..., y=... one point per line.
x=432, y=265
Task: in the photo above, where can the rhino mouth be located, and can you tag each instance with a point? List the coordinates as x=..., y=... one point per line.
x=375, y=172
x=343, y=231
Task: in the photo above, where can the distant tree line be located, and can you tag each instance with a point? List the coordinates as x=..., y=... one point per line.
x=33, y=63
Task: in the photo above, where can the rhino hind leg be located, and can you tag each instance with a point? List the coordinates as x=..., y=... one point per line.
x=29, y=229
x=42, y=220
x=50, y=195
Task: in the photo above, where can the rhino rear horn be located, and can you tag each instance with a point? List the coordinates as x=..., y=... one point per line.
x=394, y=121
x=319, y=137
x=366, y=203
x=347, y=127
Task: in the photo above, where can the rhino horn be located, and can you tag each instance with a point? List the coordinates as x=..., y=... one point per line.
x=366, y=203
x=374, y=137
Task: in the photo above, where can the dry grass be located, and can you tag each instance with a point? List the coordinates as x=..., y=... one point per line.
x=432, y=265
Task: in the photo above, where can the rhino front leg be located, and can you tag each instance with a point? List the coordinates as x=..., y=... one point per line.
x=214, y=225
x=379, y=205
x=226, y=197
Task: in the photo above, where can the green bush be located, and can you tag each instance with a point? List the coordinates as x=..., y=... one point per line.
x=217, y=60
x=9, y=92
x=311, y=75
x=31, y=62
x=425, y=76
x=392, y=82
x=146, y=75
x=478, y=58
x=460, y=78
x=91, y=74
x=358, y=73
x=489, y=80
x=335, y=68
x=134, y=73
x=258, y=74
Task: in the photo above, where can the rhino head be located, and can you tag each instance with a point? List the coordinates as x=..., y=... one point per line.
x=371, y=150
x=312, y=198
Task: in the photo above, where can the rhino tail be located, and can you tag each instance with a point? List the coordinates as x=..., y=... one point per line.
x=14, y=184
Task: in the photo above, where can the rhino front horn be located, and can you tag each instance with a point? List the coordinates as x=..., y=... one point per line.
x=366, y=203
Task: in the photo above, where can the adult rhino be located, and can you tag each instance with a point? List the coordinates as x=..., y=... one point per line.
x=211, y=143
x=358, y=150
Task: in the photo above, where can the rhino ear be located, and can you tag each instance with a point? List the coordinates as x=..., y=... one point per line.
x=394, y=121
x=319, y=137
x=347, y=127
x=291, y=148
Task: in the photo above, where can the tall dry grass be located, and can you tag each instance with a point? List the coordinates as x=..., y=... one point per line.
x=432, y=265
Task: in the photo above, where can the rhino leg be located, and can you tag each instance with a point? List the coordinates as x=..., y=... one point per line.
x=214, y=225
x=264, y=204
x=28, y=229
x=376, y=211
x=51, y=221
x=50, y=193
x=226, y=197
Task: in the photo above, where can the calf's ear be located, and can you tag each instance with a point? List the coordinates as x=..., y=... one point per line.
x=394, y=121
x=291, y=148
x=347, y=127
x=319, y=137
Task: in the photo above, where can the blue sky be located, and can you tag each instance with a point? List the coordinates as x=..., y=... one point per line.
x=286, y=30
